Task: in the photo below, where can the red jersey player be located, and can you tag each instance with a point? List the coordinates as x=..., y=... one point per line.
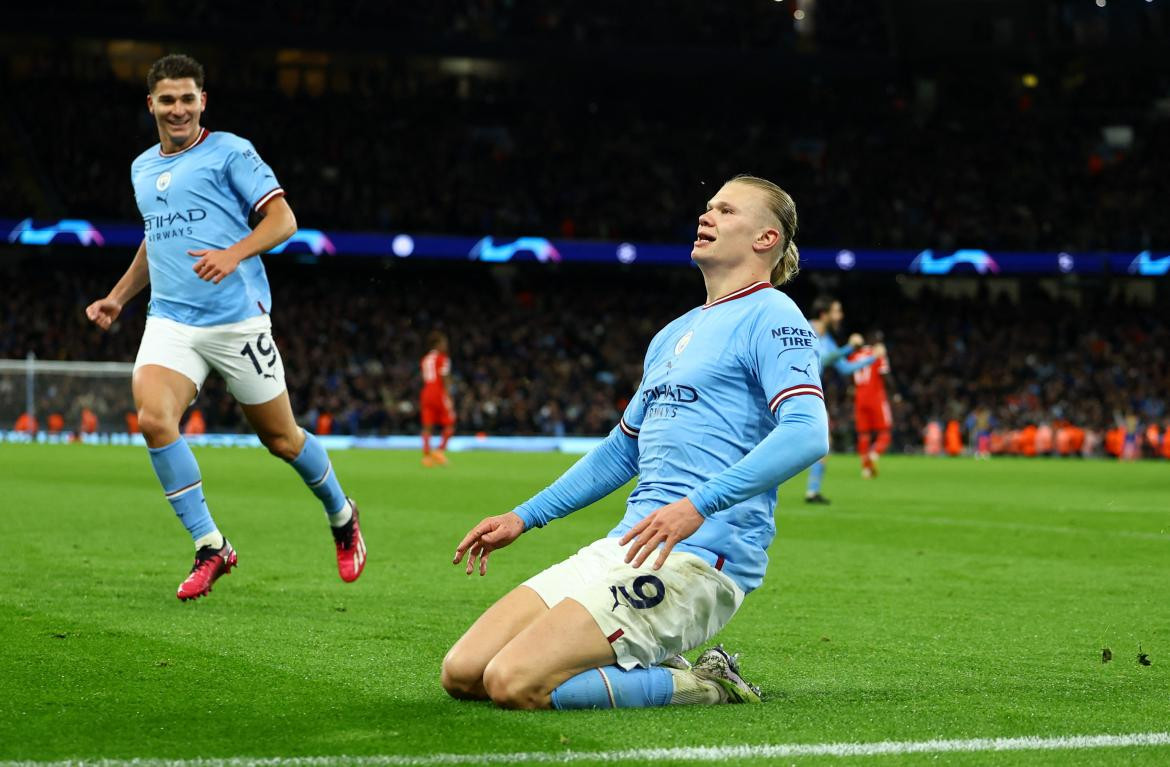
x=435, y=406
x=871, y=408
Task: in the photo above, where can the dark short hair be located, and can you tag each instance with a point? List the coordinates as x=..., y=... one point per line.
x=822, y=305
x=174, y=67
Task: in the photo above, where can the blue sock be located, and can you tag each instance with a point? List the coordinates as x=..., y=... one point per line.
x=178, y=472
x=611, y=687
x=816, y=475
x=314, y=467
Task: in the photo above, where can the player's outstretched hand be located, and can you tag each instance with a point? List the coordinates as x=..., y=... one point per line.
x=856, y=341
x=666, y=526
x=214, y=265
x=103, y=312
x=491, y=534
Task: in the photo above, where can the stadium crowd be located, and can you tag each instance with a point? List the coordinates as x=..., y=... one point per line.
x=560, y=149
x=506, y=25
x=469, y=127
x=1010, y=368
x=559, y=352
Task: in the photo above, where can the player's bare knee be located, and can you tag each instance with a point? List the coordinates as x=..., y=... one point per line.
x=495, y=682
x=156, y=425
x=281, y=445
x=509, y=687
x=461, y=678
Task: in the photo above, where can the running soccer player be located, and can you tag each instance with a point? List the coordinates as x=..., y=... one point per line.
x=826, y=319
x=728, y=408
x=209, y=309
x=871, y=408
x=435, y=406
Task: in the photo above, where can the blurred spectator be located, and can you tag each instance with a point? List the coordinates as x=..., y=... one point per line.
x=932, y=158
x=540, y=351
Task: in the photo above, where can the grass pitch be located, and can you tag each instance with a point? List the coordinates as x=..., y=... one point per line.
x=947, y=599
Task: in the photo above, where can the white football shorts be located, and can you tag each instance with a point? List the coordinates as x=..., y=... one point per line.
x=244, y=353
x=647, y=615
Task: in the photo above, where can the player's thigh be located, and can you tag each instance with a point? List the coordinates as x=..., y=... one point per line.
x=161, y=395
x=555, y=647
x=166, y=379
x=246, y=355
x=168, y=369
x=497, y=626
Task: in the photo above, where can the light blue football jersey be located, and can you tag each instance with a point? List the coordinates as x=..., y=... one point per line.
x=712, y=383
x=200, y=198
x=831, y=354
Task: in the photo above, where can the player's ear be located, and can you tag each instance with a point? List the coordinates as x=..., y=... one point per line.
x=768, y=238
x=150, y=103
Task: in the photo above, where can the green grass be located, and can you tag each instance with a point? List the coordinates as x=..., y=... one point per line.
x=948, y=599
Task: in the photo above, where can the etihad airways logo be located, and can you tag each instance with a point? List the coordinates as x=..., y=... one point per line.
x=179, y=217
x=667, y=400
x=680, y=394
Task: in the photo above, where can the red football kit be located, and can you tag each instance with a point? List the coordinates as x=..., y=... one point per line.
x=436, y=408
x=871, y=409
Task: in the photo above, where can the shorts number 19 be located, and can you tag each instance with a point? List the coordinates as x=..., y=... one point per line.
x=266, y=350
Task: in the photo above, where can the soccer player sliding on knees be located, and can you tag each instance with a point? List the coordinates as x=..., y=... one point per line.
x=729, y=407
x=209, y=310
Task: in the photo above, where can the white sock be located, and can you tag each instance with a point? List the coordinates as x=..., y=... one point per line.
x=690, y=689
x=213, y=539
x=341, y=517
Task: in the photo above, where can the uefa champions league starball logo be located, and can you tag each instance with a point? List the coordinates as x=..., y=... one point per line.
x=682, y=342
x=164, y=181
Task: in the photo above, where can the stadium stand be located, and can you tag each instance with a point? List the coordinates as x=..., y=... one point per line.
x=469, y=126
x=581, y=148
x=559, y=352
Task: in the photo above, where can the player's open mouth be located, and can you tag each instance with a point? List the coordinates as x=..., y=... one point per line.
x=703, y=238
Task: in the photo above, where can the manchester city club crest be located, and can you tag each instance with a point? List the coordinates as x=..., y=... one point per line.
x=683, y=342
x=164, y=181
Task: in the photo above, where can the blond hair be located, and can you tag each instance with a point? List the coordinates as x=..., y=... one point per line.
x=782, y=206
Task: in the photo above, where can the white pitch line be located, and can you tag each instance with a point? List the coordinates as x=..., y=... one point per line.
x=685, y=753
